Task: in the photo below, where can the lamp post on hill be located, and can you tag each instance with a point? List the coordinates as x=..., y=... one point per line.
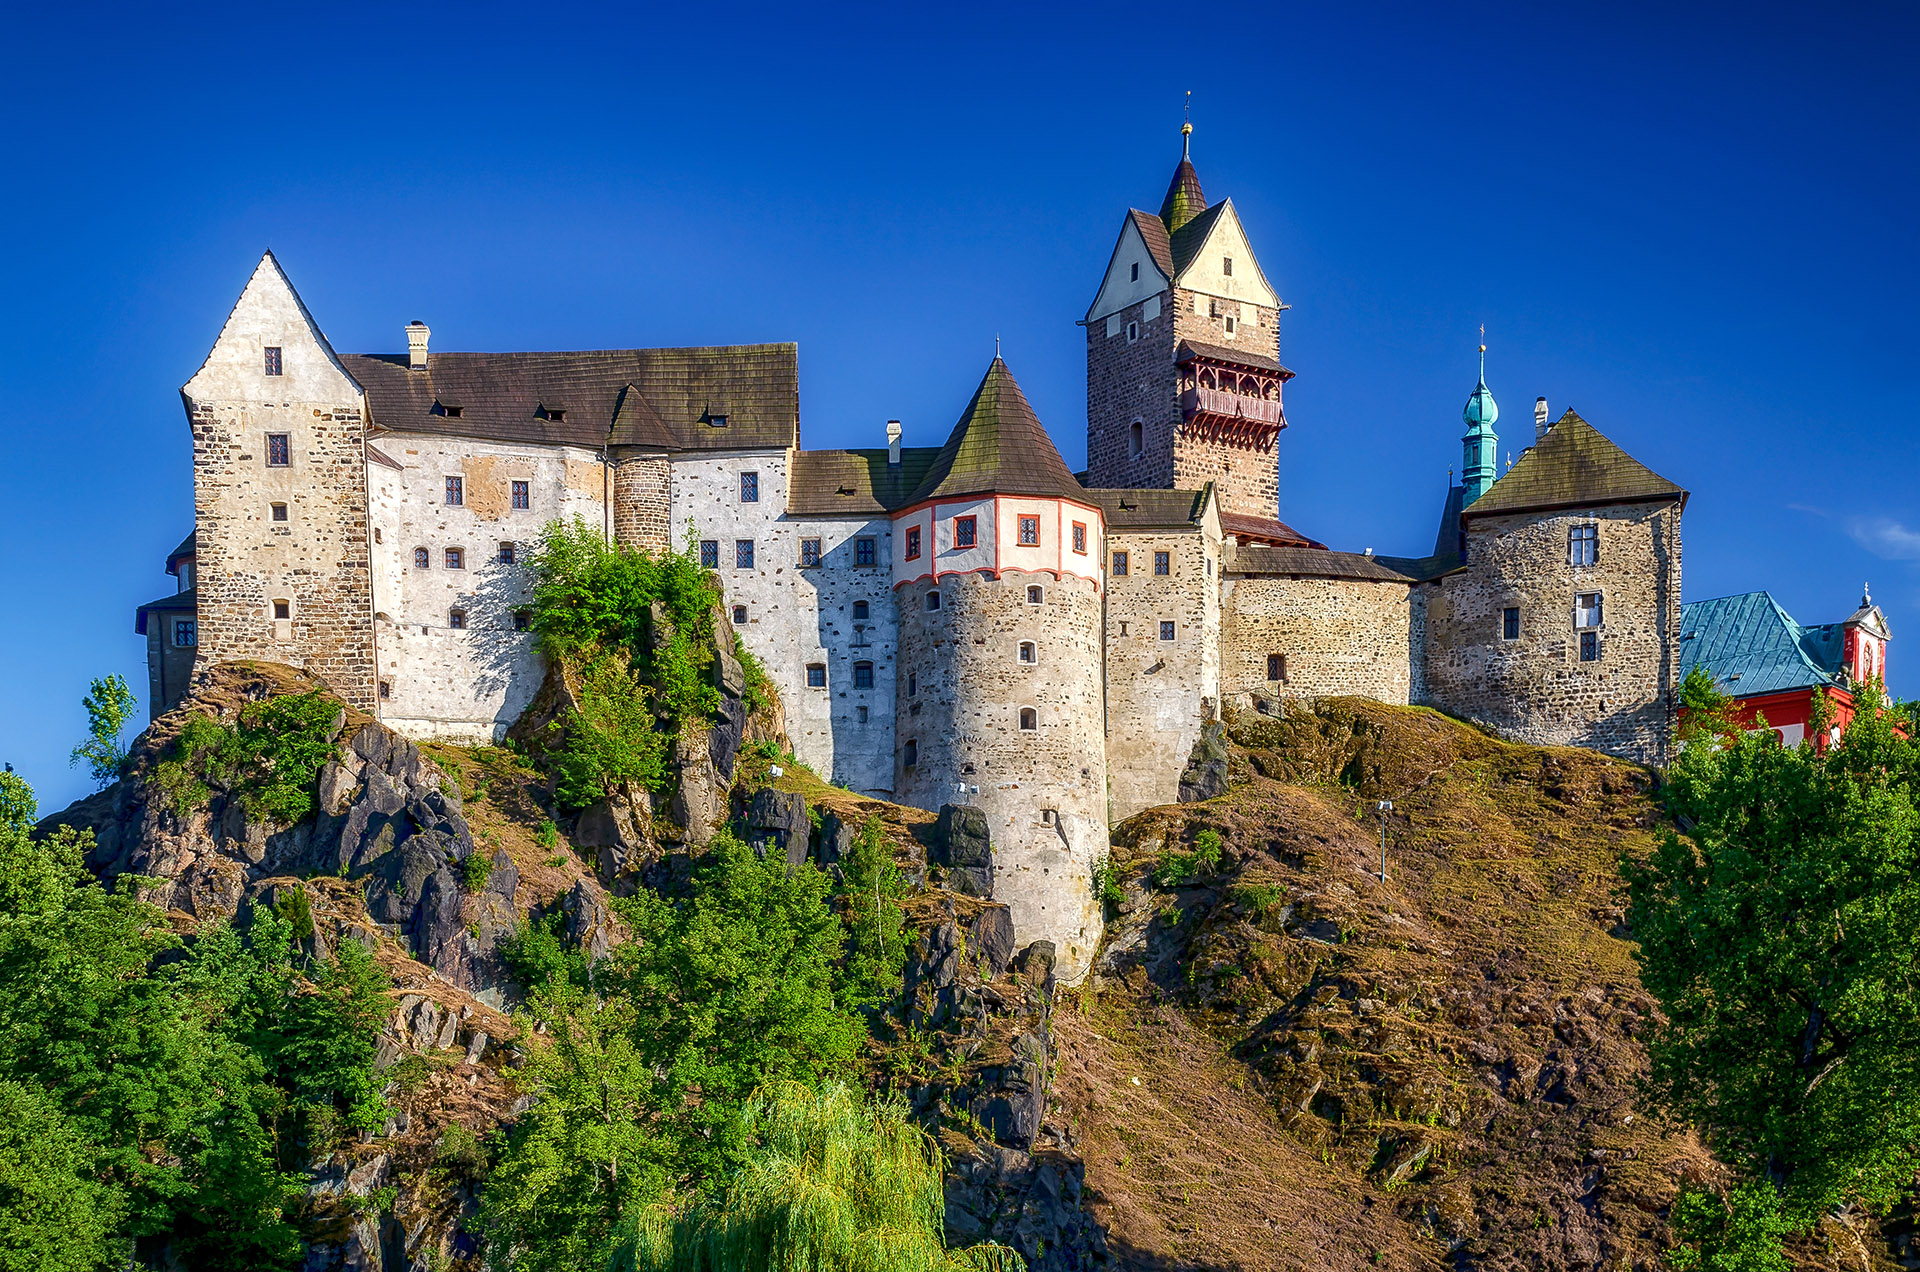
x=1384, y=807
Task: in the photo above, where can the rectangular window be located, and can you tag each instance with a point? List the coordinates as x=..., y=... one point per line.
x=457, y=620
x=1510, y=623
x=283, y=609
x=1226, y=266
x=739, y=616
x=913, y=543
x=279, y=511
x=743, y=554
x=864, y=552
x=809, y=551
x=506, y=554
x=456, y=559
x=1586, y=610
x=1119, y=563
x=1166, y=631
x=422, y=559
x=522, y=621
x=273, y=359
x=279, y=450
x=1030, y=532
x=913, y=684
x=521, y=498
x=1134, y=277
x=186, y=633
x=1583, y=545
x=1080, y=537
x=1590, y=646
x=1163, y=563
x=816, y=675
x=863, y=675
x=1276, y=666
x=456, y=492
x=966, y=532
x=749, y=487
x=709, y=554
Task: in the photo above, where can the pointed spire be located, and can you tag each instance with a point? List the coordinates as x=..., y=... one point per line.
x=998, y=447
x=1184, y=200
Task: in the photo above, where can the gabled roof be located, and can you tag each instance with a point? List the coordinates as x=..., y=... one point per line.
x=1185, y=243
x=1266, y=529
x=998, y=447
x=1311, y=563
x=1184, y=200
x=1154, y=231
x=663, y=398
x=1751, y=646
x=1573, y=466
x=1149, y=509
x=177, y=603
x=855, y=483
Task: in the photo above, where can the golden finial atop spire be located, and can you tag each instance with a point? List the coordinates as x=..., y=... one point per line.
x=1186, y=127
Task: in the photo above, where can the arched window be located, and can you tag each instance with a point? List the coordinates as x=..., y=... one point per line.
x=933, y=601
x=1028, y=652
x=859, y=611
x=1029, y=720
x=912, y=756
x=1036, y=595
x=422, y=559
x=1136, y=440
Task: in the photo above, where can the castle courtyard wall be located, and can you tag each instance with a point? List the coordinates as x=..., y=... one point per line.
x=1337, y=636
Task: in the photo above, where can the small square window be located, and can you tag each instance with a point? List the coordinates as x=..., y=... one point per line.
x=864, y=552
x=522, y=621
x=1510, y=623
x=279, y=511
x=456, y=492
x=743, y=554
x=386, y=688
x=506, y=556
x=1277, y=667
x=749, y=487
x=1080, y=537
x=282, y=609
x=1028, y=653
x=457, y=620
x=273, y=359
x=186, y=633
x=1163, y=563
x=709, y=554
x=1590, y=646
x=933, y=601
x=1030, y=532
x=859, y=611
x=863, y=675
x=422, y=559
x=522, y=498
x=965, y=532
x=279, y=450
x=1166, y=631
x=1119, y=563
x=913, y=543
x=1036, y=595
x=809, y=551
x=816, y=675
x=456, y=558
x=739, y=616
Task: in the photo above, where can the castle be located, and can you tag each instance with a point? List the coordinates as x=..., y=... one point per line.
x=971, y=623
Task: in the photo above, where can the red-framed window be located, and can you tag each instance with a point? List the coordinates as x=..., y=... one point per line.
x=1080, y=537
x=966, y=532
x=913, y=543
x=1030, y=531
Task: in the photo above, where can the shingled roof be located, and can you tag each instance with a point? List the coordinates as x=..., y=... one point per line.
x=666, y=398
x=998, y=447
x=1573, y=466
x=1184, y=244
x=1184, y=200
x=855, y=483
x=1149, y=509
x=1271, y=530
x=1751, y=646
x=1154, y=231
x=1191, y=349
x=1310, y=563
x=179, y=602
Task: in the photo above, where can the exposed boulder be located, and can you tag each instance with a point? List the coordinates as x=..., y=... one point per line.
x=1205, y=776
x=964, y=845
x=776, y=821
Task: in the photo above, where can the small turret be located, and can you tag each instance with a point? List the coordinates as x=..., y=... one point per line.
x=1184, y=200
x=1480, y=447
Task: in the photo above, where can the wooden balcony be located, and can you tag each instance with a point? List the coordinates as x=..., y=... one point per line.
x=1230, y=406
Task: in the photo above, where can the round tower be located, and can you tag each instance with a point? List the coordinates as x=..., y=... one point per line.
x=1000, y=706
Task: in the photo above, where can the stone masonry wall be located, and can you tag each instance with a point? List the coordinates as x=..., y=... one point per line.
x=1043, y=790
x=1160, y=693
x=1338, y=636
x=1246, y=478
x=1128, y=381
x=1536, y=688
x=316, y=560
x=642, y=501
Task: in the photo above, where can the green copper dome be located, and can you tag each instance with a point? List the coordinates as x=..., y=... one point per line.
x=1480, y=448
x=1482, y=411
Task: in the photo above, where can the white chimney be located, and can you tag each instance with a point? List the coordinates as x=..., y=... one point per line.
x=893, y=443
x=1539, y=421
x=417, y=345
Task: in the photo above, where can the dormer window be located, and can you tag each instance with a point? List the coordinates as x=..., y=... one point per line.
x=557, y=414
x=716, y=421
x=451, y=412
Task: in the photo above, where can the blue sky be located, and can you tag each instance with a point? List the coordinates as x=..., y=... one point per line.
x=1693, y=225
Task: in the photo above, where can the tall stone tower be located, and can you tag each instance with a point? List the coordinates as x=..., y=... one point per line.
x=1183, y=356
x=280, y=495
x=997, y=576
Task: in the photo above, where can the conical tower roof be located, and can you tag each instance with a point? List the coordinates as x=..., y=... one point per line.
x=999, y=447
x=1184, y=200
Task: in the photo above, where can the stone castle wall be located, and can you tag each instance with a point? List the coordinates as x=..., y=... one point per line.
x=1043, y=790
x=1160, y=693
x=1536, y=688
x=1246, y=477
x=642, y=500
x=1337, y=636
x=1129, y=380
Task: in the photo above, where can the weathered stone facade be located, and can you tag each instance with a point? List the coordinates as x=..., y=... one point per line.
x=1131, y=379
x=1536, y=687
x=1333, y=636
x=642, y=500
x=1245, y=473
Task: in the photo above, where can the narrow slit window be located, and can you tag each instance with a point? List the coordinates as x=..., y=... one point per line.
x=1226, y=266
x=1133, y=332
x=1135, y=276
x=913, y=684
x=1136, y=440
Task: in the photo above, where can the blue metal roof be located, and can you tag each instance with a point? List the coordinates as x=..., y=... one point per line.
x=1751, y=646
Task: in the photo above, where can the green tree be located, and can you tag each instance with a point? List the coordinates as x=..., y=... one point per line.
x=1780, y=937
x=55, y=1213
x=110, y=705
x=870, y=891
x=829, y=1182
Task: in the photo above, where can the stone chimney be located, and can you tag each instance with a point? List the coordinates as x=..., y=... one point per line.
x=893, y=443
x=1539, y=421
x=417, y=345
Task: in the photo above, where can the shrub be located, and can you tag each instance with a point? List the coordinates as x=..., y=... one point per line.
x=475, y=869
x=546, y=834
x=110, y=705
x=269, y=757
